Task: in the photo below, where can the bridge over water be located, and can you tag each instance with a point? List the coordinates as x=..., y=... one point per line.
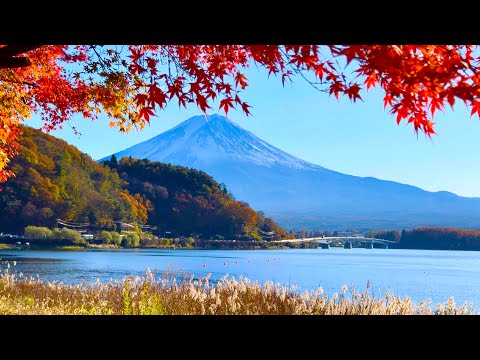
x=346, y=240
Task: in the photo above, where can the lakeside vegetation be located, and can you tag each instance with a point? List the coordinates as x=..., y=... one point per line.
x=180, y=294
x=43, y=237
x=431, y=238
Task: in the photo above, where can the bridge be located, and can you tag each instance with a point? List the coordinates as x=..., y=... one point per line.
x=346, y=240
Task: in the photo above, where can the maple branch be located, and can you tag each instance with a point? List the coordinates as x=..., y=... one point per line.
x=14, y=50
x=175, y=61
x=14, y=62
x=101, y=61
x=311, y=82
x=7, y=53
x=298, y=71
x=75, y=131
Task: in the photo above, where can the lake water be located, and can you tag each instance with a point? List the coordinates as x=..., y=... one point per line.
x=420, y=274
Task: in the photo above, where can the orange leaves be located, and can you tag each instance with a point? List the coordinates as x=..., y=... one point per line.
x=475, y=108
x=435, y=104
x=401, y=111
x=241, y=80
x=428, y=127
x=371, y=80
x=9, y=133
x=319, y=71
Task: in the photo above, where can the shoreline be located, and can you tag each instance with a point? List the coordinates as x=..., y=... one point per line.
x=5, y=246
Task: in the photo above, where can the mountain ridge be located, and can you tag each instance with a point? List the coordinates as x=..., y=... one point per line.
x=278, y=183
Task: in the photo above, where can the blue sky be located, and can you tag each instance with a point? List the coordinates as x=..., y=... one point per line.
x=358, y=138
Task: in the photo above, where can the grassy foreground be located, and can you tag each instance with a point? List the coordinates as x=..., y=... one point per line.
x=169, y=295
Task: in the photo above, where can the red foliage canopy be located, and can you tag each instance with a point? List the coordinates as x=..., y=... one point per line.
x=130, y=83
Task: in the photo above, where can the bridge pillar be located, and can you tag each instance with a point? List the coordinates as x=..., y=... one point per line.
x=347, y=245
x=325, y=246
x=369, y=245
x=385, y=246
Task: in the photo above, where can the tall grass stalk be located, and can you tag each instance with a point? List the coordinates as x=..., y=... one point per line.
x=178, y=293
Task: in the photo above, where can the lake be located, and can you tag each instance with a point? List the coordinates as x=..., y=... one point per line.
x=420, y=274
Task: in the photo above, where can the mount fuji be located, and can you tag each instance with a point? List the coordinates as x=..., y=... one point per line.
x=296, y=193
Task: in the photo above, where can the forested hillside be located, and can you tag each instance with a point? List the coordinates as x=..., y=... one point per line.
x=189, y=201
x=55, y=180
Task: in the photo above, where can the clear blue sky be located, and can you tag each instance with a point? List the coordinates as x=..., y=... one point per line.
x=354, y=138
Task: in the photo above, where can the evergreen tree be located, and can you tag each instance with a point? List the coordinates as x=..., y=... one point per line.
x=113, y=163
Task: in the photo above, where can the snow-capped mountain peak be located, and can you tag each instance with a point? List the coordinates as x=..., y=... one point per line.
x=212, y=138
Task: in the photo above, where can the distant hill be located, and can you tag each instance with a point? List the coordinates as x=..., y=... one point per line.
x=299, y=194
x=55, y=180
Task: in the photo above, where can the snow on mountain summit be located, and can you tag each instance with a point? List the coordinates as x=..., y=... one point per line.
x=213, y=138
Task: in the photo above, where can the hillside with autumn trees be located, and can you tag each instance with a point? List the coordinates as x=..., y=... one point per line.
x=55, y=180
x=188, y=201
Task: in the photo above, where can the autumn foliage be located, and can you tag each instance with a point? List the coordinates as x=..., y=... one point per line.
x=54, y=180
x=131, y=83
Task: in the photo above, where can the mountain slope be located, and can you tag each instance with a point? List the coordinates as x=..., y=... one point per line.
x=294, y=191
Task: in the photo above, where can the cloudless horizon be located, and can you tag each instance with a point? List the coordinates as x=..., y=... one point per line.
x=359, y=138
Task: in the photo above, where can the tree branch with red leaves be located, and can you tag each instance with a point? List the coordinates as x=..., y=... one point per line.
x=130, y=84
